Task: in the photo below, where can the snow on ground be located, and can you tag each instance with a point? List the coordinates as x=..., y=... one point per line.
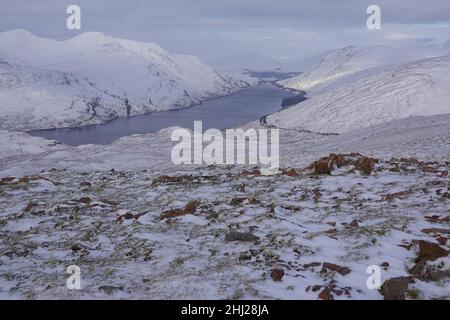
x=223, y=233
x=93, y=78
x=150, y=230
x=418, y=88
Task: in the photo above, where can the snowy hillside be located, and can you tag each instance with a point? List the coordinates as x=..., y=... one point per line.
x=418, y=88
x=152, y=231
x=102, y=78
x=350, y=60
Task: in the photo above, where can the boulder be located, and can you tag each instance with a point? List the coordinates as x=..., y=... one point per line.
x=394, y=289
x=365, y=165
x=430, y=251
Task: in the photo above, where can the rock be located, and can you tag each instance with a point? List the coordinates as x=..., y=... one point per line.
x=110, y=289
x=334, y=267
x=430, y=251
x=337, y=160
x=277, y=274
x=385, y=265
x=316, y=288
x=436, y=231
x=394, y=289
x=85, y=200
x=126, y=216
x=311, y=265
x=429, y=275
x=7, y=180
x=396, y=195
x=190, y=208
x=291, y=173
x=322, y=166
x=169, y=179
x=365, y=165
x=85, y=184
x=327, y=164
x=354, y=224
x=240, y=236
x=325, y=294
x=254, y=200
x=110, y=202
x=442, y=240
x=444, y=174
x=29, y=206
x=245, y=256
x=237, y=201
x=212, y=216
x=75, y=248
x=256, y=172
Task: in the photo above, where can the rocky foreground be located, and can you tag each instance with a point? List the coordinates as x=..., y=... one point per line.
x=230, y=232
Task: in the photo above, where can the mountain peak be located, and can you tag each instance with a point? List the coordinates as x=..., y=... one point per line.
x=91, y=36
x=17, y=33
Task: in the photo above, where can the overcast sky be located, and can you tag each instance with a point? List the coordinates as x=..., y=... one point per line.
x=217, y=28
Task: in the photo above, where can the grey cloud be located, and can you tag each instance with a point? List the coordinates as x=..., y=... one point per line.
x=211, y=28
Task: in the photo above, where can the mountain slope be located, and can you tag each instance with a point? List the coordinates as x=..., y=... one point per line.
x=350, y=60
x=124, y=77
x=419, y=88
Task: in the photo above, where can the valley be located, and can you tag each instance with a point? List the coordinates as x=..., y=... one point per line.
x=87, y=178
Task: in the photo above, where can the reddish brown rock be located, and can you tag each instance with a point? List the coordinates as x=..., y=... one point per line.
x=430, y=251
x=325, y=294
x=365, y=165
x=322, y=166
x=256, y=172
x=190, y=208
x=394, y=289
x=291, y=173
x=334, y=267
x=337, y=160
x=442, y=240
x=277, y=274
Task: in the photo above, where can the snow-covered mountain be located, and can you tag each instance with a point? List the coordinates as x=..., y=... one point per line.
x=378, y=95
x=350, y=60
x=93, y=78
x=244, y=62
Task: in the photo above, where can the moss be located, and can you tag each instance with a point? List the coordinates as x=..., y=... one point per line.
x=414, y=294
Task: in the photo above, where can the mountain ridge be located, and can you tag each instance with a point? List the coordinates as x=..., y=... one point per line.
x=122, y=77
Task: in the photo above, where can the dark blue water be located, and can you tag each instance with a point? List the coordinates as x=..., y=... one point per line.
x=225, y=112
